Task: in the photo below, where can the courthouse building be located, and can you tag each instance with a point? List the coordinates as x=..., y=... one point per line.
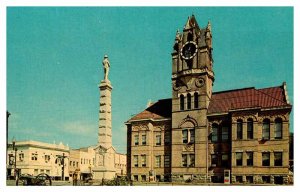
x=198, y=135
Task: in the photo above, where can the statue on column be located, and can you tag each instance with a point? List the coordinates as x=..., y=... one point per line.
x=106, y=67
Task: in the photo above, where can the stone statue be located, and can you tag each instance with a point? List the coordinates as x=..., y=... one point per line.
x=106, y=67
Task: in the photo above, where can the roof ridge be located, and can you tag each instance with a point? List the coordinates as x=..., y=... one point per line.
x=278, y=86
x=239, y=89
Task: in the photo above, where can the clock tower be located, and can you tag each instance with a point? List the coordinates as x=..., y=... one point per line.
x=192, y=81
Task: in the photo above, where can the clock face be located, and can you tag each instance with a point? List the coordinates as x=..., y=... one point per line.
x=189, y=50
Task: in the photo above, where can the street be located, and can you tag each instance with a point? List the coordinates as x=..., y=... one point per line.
x=54, y=183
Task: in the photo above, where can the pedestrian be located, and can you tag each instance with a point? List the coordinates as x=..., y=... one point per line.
x=75, y=179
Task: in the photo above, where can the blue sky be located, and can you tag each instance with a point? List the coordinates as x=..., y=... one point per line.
x=54, y=62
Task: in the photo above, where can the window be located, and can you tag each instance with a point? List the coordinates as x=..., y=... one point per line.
x=214, y=135
x=74, y=163
x=158, y=178
x=192, y=160
x=184, y=136
x=158, y=139
x=35, y=171
x=81, y=161
x=249, y=179
x=167, y=161
x=266, y=179
x=196, y=100
x=136, y=160
x=239, y=179
x=34, y=156
x=239, y=158
x=190, y=37
x=70, y=163
x=239, y=129
x=250, y=129
x=143, y=139
x=181, y=102
x=249, y=156
x=278, y=180
x=188, y=136
x=143, y=177
x=266, y=129
x=167, y=138
x=189, y=101
x=214, y=160
x=47, y=158
x=278, y=158
x=136, y=140
x=224, y=162
x=157, y=161
x=266, y=159
x=21, y=156
x=143, y=160
x=188, y=160
x=135, y=177
x=192, y=135
x=48, y=171
x=77, y=164
x=184, y=160
x=224, y=133
x=278, y=129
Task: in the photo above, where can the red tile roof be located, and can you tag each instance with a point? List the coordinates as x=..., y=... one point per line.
x=224, y=101
x=160, y=110
x=247, y=98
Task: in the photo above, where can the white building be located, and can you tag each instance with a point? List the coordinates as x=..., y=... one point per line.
x=86, y=162
x=34, y=157
x=81, y=162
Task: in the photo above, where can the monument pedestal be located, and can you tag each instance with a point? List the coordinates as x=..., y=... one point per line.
x=104, y=131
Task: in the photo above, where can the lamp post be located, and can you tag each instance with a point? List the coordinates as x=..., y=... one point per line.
x=15, y=159
x=7, y=116
x=62, y=160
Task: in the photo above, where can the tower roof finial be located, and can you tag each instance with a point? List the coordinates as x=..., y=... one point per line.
x=177, y=35
x=191, y=23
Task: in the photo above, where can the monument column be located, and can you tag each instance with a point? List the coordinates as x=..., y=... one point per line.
x=104, y=131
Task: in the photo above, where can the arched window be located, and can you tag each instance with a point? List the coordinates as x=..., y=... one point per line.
x=266, y=129
x=189, y=101
x=214, y=134
x=249, y=128
x=181, y=102
x=190, y=37
x=239, y=129
x=196, y=100
x=278, y=128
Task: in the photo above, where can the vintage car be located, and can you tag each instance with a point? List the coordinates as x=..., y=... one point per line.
x=26, y=179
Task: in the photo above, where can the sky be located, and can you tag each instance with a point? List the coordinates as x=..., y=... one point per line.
x=54, y=62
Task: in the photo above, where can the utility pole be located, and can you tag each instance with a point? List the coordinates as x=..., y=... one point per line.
x=7, y=116
x=62, y=160
x=15, y=162
x=63, y=167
